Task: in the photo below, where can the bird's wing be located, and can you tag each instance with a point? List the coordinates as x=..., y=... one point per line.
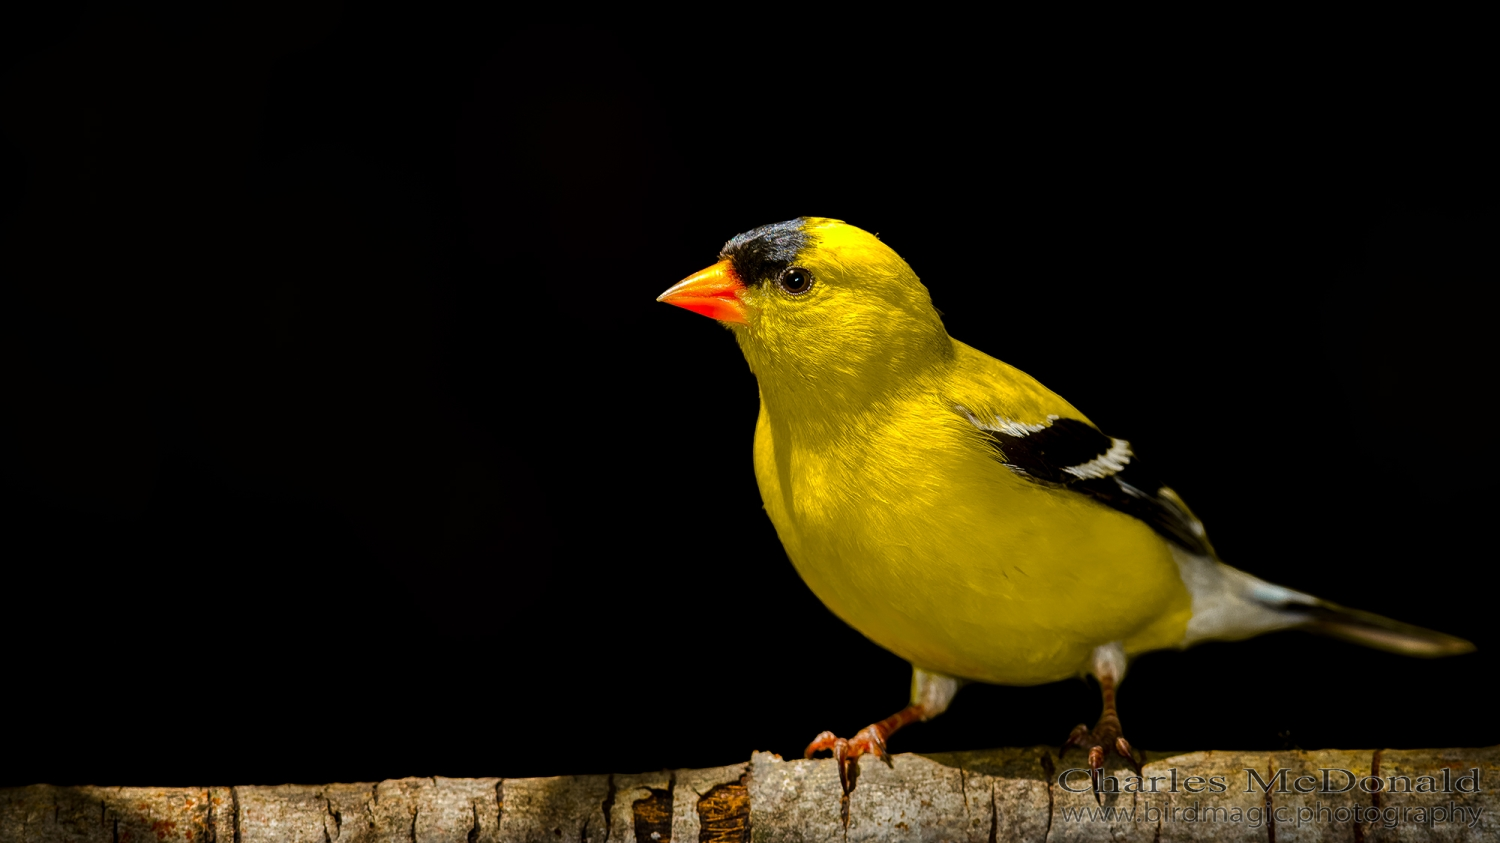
x=1074, y=455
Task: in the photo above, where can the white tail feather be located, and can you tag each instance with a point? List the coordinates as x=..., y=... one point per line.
x=1229, y=604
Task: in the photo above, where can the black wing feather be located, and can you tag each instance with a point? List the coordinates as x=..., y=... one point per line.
x=1045, y=456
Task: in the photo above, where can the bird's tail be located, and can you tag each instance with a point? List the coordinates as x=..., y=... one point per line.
x=1231, y=604
x=1380, y=632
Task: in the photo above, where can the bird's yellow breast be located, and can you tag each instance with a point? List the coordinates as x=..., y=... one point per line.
x=920, y=539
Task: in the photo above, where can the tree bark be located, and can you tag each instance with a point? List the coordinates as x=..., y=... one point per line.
x=993, y=795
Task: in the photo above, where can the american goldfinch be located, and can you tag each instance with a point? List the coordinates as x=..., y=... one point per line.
x=955, y=511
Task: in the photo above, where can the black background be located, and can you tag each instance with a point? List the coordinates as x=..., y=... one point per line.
x=345, y=439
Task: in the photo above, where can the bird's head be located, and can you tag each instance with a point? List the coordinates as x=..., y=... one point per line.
x=819, y=304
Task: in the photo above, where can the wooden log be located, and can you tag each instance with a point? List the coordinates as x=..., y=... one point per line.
x=976, y=797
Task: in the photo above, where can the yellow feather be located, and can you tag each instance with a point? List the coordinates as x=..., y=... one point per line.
x=894, y=509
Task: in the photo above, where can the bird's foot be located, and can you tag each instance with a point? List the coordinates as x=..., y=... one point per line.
x=931, y=693
x=1104, y=738
x=846, y=751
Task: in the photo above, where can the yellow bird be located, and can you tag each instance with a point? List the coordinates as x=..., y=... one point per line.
x=957, y=512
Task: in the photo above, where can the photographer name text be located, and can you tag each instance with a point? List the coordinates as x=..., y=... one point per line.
x=1328, y=780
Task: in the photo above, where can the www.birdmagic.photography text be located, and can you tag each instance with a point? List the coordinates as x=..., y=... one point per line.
x=1296, y=816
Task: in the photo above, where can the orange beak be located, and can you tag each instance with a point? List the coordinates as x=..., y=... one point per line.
x=714, y=292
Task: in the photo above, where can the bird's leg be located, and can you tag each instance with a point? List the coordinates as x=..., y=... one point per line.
x=1105, y=737
x=930, y=695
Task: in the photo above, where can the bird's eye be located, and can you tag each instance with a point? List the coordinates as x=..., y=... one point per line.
x=795, y=280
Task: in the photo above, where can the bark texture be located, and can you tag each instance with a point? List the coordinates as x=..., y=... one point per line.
x=994, y=795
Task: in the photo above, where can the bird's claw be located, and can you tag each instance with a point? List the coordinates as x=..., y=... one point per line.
x=846, y=751
x=1106, y=734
